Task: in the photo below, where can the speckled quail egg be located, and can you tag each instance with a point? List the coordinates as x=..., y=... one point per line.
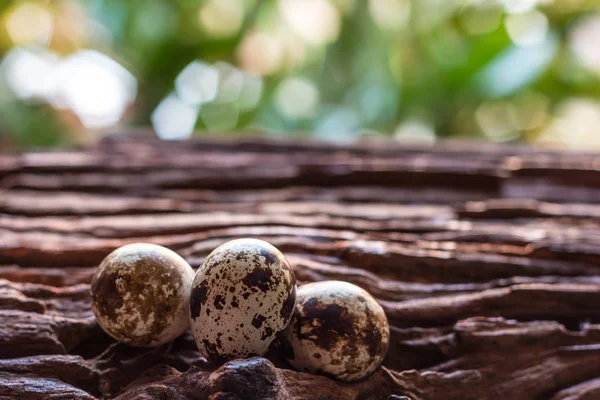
x=140, y=294
x=338, y=330
x=242, y=296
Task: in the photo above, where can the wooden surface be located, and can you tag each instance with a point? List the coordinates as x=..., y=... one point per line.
x=486, y=260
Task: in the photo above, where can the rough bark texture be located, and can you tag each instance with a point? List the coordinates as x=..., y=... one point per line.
x=486, y=260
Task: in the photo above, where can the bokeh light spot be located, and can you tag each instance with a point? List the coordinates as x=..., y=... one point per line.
x=341, y=125
x=297, y=98
x=479, y=19
x=518, y=6
x=220, y=117
x=95, y=87
x=584, y=40
x=526, y=29
x=575, y=125
x=417, y=131
x=494, y=119
x=73, y=29
x=29, y=23
x=29, y=73
x=316, y=21
x=221, y=18
x=251, y=92
x=174, y=119
x=516, y=67
x=530, y=110
x=231, y=81
x=390, y=14
x=197, y=83
x=260, y=53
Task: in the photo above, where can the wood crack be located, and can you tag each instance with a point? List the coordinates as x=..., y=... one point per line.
x=485, y=259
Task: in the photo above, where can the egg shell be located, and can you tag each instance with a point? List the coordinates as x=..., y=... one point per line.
x=140, y=294
x=242, y=296
x=338, y=329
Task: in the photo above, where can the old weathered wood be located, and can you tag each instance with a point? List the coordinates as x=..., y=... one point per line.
x=485, y=258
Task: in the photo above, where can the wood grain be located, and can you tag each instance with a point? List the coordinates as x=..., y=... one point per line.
x=485, y=258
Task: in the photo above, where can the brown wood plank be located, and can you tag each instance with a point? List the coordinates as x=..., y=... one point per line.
x=485, y=258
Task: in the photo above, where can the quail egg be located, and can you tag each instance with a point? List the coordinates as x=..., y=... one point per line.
x=338, y=329
x=242, y=296
x=140, y=294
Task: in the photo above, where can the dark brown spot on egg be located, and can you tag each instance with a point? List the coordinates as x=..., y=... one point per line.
x=325, y=324
x=211, y=352
x=258, y=278
x=219, y=302
x=106, y=295
x=234, y=302
x=267, y=333
x=197, y=299
x=371, y=338
x=288, y=305
x=258, y=320
x=270, y=257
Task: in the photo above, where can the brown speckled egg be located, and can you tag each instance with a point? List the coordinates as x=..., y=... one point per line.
x=338, y=330
x=242, y=296
x=140, y=294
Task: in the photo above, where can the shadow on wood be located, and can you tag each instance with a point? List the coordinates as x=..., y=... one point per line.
x=486, y=260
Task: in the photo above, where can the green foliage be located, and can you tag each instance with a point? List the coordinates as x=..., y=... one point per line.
x=452, y=67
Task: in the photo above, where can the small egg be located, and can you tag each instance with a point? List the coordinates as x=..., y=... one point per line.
x=140, y=294
x=242, y=296
x=338, y=329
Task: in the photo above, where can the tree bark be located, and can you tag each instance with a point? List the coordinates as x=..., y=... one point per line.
x=485, y=258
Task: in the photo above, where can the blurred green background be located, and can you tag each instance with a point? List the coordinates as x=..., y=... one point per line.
x=504, y=71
